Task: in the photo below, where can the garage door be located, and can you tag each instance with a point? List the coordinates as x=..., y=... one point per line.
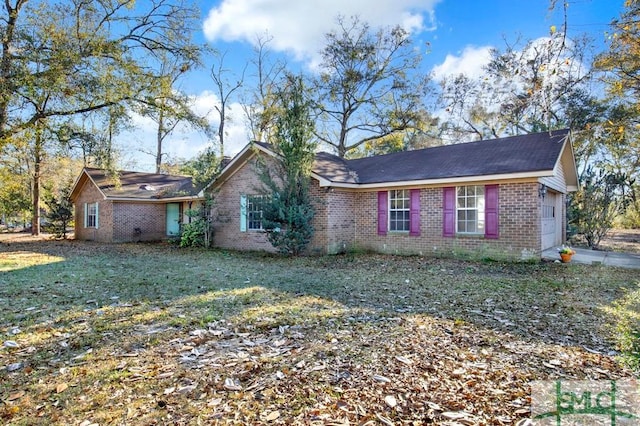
x=551, y=221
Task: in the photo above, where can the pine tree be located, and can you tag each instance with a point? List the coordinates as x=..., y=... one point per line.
x=288, y=210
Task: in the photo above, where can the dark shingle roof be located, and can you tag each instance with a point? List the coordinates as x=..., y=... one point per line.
x=516, y=154
x=142, y=185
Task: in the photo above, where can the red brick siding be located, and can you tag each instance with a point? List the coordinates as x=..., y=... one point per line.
x=226, y=212
x=334, y=222
x=89, y=193
x=345, y=220
x=149, y=217
x=519, y=218
x=117, y=220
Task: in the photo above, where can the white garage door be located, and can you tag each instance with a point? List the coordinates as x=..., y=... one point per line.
x=551, y=220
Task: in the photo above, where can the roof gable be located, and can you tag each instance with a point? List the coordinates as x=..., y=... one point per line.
x=136, y=185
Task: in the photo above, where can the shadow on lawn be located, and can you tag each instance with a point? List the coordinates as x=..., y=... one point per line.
x=543, y=302
x=98, y=307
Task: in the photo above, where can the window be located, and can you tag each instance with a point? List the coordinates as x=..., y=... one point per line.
x=399, y=210
x=470, y=215
x=254, y=212
x=91, y=215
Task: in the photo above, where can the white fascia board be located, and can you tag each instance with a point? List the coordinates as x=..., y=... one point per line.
x=155, y=200
x=438, y=182
x=236, y=164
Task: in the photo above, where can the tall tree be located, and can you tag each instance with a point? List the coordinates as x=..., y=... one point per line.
x=621, y=64
x=287, y=209
x=89, y=54
x=260, y=104
x=62, y=59
x=225, y=89
x=370, y=85
x=524, y=89
x=168, y=107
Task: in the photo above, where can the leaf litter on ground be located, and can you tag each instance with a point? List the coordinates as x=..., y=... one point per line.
x=330, y=340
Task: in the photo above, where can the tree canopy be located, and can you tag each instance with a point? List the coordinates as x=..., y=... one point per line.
x=370, y=86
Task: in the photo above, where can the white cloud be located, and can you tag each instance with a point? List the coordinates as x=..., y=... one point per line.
x=299, y=26
x=470, y=62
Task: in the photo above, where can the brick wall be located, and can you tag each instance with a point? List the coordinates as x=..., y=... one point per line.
x=334, y=221
x=118, y=220
x=150, y=218
x=226, y=212
x=348, y=220
x=89, y=193
x=519, y=226
x=334, y=225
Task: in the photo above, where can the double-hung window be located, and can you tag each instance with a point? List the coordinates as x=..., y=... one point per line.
x=470, y=217
x=254, y=212
x=91, y=215
x=251, y=208
x=399, y=210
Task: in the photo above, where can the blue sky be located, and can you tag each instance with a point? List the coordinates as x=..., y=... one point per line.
x=458, y=34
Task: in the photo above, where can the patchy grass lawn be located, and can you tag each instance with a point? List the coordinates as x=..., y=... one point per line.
x=151, y=334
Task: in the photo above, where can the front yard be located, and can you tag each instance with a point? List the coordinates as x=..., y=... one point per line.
x=152, y=334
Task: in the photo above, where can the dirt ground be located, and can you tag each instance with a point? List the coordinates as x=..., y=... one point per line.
x=622, y=240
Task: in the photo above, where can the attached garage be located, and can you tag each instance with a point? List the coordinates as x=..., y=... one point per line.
x=551, y=216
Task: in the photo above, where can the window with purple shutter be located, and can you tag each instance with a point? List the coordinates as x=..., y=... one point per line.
x=491, y=211
x=382, y=212
x=449, y=212
x=414, y=213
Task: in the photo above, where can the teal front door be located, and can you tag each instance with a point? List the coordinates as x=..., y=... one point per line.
x=173, y=219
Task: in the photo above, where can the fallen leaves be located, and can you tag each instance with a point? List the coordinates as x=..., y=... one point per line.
x=335, y=341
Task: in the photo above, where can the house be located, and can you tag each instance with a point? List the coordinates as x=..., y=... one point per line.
x=504, y=197
x=130, y=206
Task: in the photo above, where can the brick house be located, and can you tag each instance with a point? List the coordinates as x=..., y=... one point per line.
x=132, y=207
x=504, y=197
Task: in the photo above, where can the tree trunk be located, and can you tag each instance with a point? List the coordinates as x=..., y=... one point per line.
x=37, y=157
x=159, y=147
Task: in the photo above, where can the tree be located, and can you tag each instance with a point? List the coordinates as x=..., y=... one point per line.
x=68, y=58
x=91, y=55
x=621, y=64
x=225, y=91
x=601, y=198
x=261, y=105
x=167, y=106
x=524, y=89
x=287, y=210
x=15, y=186
x=60, y=211
x=370, y=86
x=203, y=168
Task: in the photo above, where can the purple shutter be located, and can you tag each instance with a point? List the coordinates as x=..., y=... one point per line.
x=491, y=211
x=449, y=211
x=414, y=212
x=383, y=212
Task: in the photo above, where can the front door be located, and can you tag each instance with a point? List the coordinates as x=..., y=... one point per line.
x=173, y=219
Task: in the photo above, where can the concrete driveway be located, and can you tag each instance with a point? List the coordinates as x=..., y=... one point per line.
x=596, y=257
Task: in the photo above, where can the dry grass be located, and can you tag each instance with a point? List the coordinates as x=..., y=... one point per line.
x=151, y=334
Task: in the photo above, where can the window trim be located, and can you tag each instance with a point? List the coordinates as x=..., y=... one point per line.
x=252, y=201
x=480, y=212
x=406, y=210
x=88, y=215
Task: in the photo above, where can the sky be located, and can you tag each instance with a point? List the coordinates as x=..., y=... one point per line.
x=454, y=35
